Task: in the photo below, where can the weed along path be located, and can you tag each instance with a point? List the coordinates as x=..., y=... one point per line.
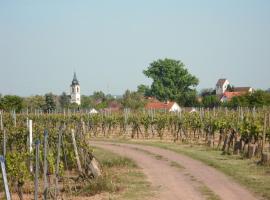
x=176, y=176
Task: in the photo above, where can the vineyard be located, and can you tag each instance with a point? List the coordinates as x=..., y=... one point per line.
x=48, y=154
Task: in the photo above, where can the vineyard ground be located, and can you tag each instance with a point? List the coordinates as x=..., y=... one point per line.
x=122, y=179
x=248, y=173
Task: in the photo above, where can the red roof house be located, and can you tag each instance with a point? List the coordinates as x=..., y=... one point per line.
x=227, y=96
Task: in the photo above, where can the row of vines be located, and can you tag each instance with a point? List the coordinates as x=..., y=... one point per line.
x=67, y=165
x=45, y=157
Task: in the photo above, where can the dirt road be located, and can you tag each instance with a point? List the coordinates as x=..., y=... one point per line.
x=176, y=176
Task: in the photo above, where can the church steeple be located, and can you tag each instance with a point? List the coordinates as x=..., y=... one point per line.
x=75, y=90
x=75, y=80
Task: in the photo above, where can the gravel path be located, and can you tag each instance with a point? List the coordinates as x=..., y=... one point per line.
x=189, y=179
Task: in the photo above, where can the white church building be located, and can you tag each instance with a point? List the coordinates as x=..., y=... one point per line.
x=75, y=91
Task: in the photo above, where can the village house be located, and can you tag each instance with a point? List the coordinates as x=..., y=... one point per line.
x=225, y=95
x=163, y=106
x=221, y=86
x=243, y=89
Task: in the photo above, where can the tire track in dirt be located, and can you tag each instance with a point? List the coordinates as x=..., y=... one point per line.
x=170, y=184
x=175, y=184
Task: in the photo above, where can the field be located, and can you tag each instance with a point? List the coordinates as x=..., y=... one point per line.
x=51, y=155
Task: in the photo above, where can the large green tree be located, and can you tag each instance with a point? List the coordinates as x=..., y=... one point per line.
x=145, y=90
x=34, y=102
x=11, y=102
x=50, y=103
x=172, y=81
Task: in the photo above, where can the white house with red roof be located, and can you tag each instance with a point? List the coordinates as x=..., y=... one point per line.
x=163, y=106
x=221, y=86
x=225, y=95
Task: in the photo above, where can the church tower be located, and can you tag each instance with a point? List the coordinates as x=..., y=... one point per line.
x=75, y=91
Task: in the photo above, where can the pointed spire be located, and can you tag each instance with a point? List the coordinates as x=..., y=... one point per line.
x=75, y=80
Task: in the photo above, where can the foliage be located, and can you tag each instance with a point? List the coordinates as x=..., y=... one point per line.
x=34, y=102
x=145, y=90
x=258, y=98
x=50, y=103
x=99, y=95
x=230, y=88
x=133, y=100
x=207, y=92
x=11, y=102
x=64, y=100
x=210, y=101
x=17, y=168
x=171, y=80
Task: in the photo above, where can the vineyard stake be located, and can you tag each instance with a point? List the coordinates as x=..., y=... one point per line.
x=57, y=163
x=14, y=118
x=264, y=131
x=37, y=169
x=76, y=150
x=27, y=123
x=30, y=142
x=4, y=144
x=1, y=121
x=4, y=176
x=45, y=165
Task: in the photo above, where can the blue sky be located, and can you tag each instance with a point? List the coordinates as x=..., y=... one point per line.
x=110, y=43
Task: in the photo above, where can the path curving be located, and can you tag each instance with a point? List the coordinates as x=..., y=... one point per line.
x=174, y=183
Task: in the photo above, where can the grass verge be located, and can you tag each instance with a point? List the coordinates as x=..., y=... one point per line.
x=121, y=179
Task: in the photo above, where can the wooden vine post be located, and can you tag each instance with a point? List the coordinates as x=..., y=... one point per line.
x=1, y=121
x=45, y=165
x=14, y=118
x=36, y=170
x=264, y=132
x=58, y=163
x=4, y=143
x=4, y=176
x=30, y=142
x=76, y=150
x=265, y=155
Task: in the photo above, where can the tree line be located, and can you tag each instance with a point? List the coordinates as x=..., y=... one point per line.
x=171, y=81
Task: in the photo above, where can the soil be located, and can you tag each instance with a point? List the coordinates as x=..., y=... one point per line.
x=183, y=182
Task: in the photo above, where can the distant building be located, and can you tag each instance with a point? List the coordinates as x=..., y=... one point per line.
x=164, y=106
x=93, y=111
x=75, y=91
x=227, y=96
x=189, y=109
x=221, y=86
x=243, y=89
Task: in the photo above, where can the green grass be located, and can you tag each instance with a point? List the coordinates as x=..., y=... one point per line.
x=176, y=164
x=245, y=171
x=209, y=194
x=122, y=178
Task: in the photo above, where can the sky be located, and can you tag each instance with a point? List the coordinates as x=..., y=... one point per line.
x=110, y=43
